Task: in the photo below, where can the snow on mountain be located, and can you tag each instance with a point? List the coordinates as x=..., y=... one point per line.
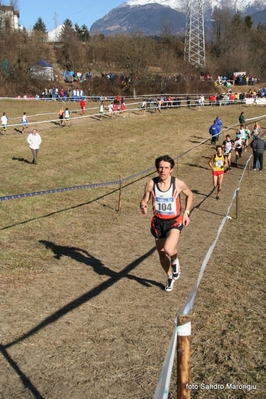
x=181, y=5
x=175, y=4
x=147, y=15
x=54, y=34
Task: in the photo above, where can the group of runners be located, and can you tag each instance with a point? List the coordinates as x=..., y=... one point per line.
x=221, y=161
x=164, y=192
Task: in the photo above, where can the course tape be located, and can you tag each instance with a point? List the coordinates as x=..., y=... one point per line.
x=61, y=190
x=57, y=190
x=162, y=389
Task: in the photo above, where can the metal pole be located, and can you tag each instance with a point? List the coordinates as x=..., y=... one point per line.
x=237, y=203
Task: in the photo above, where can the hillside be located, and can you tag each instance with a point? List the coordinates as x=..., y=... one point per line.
x=151, y=16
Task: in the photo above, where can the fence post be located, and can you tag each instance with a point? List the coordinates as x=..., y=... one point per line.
x=120, y=196
x=183, y=356
x=237, y=202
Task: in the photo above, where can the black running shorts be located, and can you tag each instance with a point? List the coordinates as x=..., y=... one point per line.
x=160, y=227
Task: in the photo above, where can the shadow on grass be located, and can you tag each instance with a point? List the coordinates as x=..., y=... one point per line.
x=18, y=130
x=25, y=380
x=56, y=123
x=21, y=160
x=199, y=137
x=206, y=196
x=195, y=165
x=82, y=256
x=237, y=165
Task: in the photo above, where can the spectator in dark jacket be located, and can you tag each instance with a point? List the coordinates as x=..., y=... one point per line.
x=218, y=123
x=258, y=146
x=214, y=130
x=241, y=119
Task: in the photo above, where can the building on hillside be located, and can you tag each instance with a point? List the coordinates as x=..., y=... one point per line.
x=8, y=17
x=42, y=70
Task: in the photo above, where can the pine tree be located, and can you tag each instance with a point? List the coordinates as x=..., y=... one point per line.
x=39, y=26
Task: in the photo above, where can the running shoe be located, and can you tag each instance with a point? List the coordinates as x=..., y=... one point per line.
x=176, y=271
x=169, y=285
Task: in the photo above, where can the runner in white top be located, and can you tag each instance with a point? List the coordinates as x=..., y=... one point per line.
x=228, y=144
x=24, y=122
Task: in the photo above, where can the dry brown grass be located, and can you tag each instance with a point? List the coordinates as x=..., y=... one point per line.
x=83, y=313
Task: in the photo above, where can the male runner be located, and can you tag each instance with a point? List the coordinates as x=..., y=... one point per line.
x=167, y=221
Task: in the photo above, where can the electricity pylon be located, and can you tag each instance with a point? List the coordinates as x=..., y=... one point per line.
x=55, y=25
x=194, y=36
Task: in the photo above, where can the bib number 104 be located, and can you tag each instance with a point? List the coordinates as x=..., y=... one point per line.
x=164, y=207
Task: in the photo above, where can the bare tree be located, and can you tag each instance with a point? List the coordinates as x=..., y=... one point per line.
x=134, y=53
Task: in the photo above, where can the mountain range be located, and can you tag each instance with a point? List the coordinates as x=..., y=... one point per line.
x=150, y=16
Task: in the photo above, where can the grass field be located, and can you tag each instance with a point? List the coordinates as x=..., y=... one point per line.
x=84, y=313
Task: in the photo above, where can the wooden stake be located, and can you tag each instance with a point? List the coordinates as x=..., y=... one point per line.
x=183, y=361
x=120, y=196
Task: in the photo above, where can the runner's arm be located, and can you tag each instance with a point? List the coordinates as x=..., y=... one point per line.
x=210, y=163
x=181, y=185
x=146, y=197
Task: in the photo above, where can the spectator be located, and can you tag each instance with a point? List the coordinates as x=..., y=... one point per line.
x=220, y=100
x=258, y=146
x=219, y=123
x=241, y=118
x=214, y=131
x=34, y=140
